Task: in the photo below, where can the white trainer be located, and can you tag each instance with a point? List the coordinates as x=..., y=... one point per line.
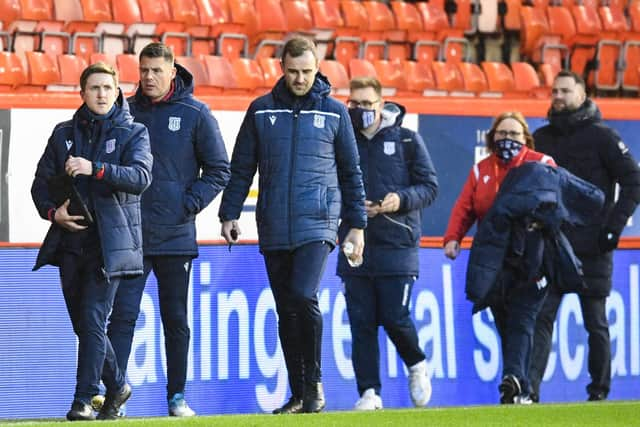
x=419, y=384
x=178, y=407
x=369, y=401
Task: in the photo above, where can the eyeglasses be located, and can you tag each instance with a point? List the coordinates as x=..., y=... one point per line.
x=508, y=133
x=352, y=103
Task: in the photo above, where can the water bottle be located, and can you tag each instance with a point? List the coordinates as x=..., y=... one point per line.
x=348, y=249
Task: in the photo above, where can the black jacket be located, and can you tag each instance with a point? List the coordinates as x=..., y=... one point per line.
x=539, y=194
x=580, y=142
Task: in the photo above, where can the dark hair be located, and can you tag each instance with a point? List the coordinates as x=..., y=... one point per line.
x=157, y=50
x=576, y=77
x=365, y=82
x=297, y=46
x=98, y=68
x=515, y=115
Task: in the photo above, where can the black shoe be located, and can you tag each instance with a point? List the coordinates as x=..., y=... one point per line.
x=535, y=398
x=80, y=411
x=293, y=406
x=595, y=397
x=313, y=400
x=112, y=403
x=509, y=388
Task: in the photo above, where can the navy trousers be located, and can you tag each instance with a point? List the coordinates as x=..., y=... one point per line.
x=172, y=273
x=595, y=322
x=515, y=319
x=89, y=298
x=294, y=277
x=373, y=301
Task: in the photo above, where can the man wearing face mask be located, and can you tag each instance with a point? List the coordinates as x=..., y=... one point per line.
x=399, y=181
x=579, y=141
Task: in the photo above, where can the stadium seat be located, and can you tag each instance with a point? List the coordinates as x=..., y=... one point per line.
x=361, y=68
x=382, y=26
x=13, y=74
x=220, y=72
x=548, y=73
x=68, y=11
x=328, y=24
x=126, y=11
x=455, y=47
x=155, y=11
x=631, y=57
x=337, y=75
x=96, y=10
x=196, y=68
x=185, y=11
x=107, y=58
x=512, y=18
x=70, y=66
x=448, y=79
x=248, y=75
x=527, y=81
x=271, y=70
x=9, y=10
x=499, y=77
x=36, y=10
x=464, y=18
x=43, y=70
x=211, y=12
x=392, y=78
x=298, y=15
x=473, y=78
x=128, y=71
x=423, y=44
x=419, y=77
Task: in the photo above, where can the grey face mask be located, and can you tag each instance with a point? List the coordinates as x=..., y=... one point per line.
x=507, y=149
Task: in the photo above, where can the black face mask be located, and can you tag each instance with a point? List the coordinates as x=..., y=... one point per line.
x=507, y=149
x=361, y=118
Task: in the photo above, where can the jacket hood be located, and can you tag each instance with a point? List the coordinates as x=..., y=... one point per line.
x=586, y=114
x=183, y=82
x=321, y=89
x=392, y=115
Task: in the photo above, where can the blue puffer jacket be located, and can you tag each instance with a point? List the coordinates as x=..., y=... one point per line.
x=532, y=193
x=191, y=167
x=394, y=160
x=306, y=156
x=123, y=148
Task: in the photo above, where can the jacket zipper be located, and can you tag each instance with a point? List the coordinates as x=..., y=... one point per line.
x=292, y=164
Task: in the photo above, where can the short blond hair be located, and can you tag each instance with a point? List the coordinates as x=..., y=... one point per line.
x=98, y=68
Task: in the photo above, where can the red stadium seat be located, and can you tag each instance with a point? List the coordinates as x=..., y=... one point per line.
x=337, y=75
x=37, y=10
x=43, y=70
x=499, y=77
x=526, y=80
x=128, y=71
x=271, y=70
x=361, y=68
x=155, y=11
x=391, y=76
x=126, y=11
x=96, y=10
x=473, y=78
x=71, y=67
x=220, y=72
x=248, y=74
x=448, y=78
x=14, y=74
x=419, y=76
x=185, y=11
x=10, y=10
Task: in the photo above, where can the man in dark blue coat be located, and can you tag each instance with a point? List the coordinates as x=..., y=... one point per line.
x=88, y=184
x=302, y=143
x=400, y=181
x=191, y=168
x=579, y=141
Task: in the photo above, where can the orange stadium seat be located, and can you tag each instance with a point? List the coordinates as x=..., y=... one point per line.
x=107, y=58
x=14, y=74
x=512, y=18
x=298, y=15
x=37, y=10
x=392, y=77
x=423, y=44
x=361, y=68
x=43, y=70
x=382, y=27
x=473, y=78
x=248, y=74
x=196, y=68
x=526, y=80
x=128, y=71
x=337, y=75
x=448, y=78
x=155, y=11
x=499, y=77
x=454, y=44
x=328, y=23
x=463, y=19
x=10, y=10
x=220, y=72
x=419, y=76
x=96, y=10
x=185, y=11
x=271, y=70
x=548, y=73
x=70, y=66
x=68, y=11
x=211, y=12
x=126, y=11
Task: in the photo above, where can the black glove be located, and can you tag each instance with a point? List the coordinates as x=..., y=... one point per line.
x=608, y=240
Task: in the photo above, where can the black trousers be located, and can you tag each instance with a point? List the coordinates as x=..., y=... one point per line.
x=595, y=322
x=294, y=277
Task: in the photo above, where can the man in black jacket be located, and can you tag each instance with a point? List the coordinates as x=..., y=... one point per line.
x=578, y=141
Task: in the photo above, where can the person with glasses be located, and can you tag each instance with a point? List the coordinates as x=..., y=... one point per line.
x=580, y=142
x=510, y=145
x=301, y=141
x=400, y=181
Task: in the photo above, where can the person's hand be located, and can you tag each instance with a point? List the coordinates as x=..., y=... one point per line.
x=355, y=236
x=390, y=203
x=63, y=219
x=230, y=230
x=75, y=166
x=372, y=208
x=452, y=249
x=608, y=240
